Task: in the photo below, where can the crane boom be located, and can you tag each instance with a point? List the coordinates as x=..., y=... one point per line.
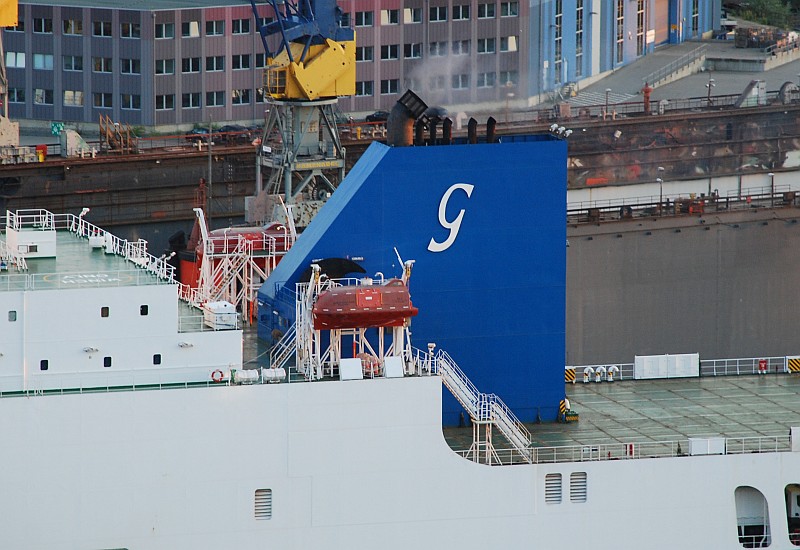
x=309, y=54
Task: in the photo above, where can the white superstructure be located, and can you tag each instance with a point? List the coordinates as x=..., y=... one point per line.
x=127, y=456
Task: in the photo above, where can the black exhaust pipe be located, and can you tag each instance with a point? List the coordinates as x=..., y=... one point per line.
x=400, y=125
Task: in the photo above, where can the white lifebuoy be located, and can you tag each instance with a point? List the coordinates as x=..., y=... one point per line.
x=217, y=376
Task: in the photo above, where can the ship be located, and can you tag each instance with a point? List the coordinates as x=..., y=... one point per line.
x=131, y=419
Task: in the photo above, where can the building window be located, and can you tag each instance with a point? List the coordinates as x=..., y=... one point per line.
x=130, y=66
x=264, y=21
x=438, y=13
x=165, y=31
x=486, y=80
x=215, y=63
x=191, y=101
x=16, y=95
x=215, y=28
x=12, y=316
x=101, y=64
x=165, y=102
x=104, y=311
x=157, y=359
x=364, y=88
x=390, y=86
x=364, y=53
x=240, y=26
x=15, y=60
x=130, y=30
x=44, y=364
x=240, y=97
x=437, y=49
x=485, y=11
x=190, y=29
x=695, y=17
x=620, y=34
x=263, y=504
x=73, y=98
x=460, y=81
x=131, y=102
x=508, y=43
x=461, y=47
x=73, y=62
x=640, y=25
x=20, y=27
x=390, y=17
x=436, y=82
x=101, y=28
x=389, y=51
x=106, y=361
x=460, y=12
x=485, y=45
x=509, y=9
x=558, y=46
x=102, y=100
x=412, y=83
x=508, y=78
x=165, y=66
x=261, y=96
x=144, y=309
x=215, y=99
x=190, y=65
x=579, y=38
x=240, y=61
x=43, y=61
x=364, y=19
x=73, y=26
x=413, y=51
x=42, y=25
x=412, y=15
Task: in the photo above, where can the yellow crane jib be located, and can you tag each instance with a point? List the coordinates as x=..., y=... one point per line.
x=329, y=70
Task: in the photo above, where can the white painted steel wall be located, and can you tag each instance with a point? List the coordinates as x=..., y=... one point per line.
x=65, y=326
x=357, y=465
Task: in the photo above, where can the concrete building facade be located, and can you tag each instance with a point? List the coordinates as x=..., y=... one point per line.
x=162, y=63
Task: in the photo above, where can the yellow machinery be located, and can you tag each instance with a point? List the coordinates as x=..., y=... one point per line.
x=310, y=64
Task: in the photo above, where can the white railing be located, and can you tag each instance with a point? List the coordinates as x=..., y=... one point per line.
x=708, y=367
x=640, y=450
x=283, y=350
x=31, y=218
x=49, y=281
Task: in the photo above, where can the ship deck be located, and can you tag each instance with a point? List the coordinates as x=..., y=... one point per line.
x=646, y=412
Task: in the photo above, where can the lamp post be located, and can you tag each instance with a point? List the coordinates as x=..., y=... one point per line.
x=509, y=96
x=771, y=189
x=710, y=85
x=660, y=181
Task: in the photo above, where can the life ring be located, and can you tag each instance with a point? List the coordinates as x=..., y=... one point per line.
x=217, y=376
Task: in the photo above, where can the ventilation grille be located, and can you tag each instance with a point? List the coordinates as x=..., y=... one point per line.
x=577, y=487
x=263, y=503
x=552, y=488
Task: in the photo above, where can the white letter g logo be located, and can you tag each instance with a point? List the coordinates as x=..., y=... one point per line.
x=453, y=226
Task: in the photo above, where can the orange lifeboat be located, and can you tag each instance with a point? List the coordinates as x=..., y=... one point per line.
x=387, y=305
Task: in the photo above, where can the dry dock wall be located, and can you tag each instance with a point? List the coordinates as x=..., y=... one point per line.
x=723, y=285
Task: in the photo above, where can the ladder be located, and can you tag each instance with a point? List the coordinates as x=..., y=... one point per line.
x=484, y=410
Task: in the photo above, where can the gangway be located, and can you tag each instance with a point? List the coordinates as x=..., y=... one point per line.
x=485, y=411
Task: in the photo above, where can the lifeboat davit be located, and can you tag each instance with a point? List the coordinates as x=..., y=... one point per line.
x=387, y=305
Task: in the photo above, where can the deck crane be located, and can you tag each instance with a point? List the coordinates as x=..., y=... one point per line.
x=310, y=63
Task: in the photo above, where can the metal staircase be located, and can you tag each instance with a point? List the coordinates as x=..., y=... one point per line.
x=485, y=411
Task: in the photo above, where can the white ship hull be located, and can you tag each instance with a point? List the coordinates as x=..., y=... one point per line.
x=356, y=465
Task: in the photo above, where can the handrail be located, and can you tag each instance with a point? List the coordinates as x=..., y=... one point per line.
x=686, y=59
